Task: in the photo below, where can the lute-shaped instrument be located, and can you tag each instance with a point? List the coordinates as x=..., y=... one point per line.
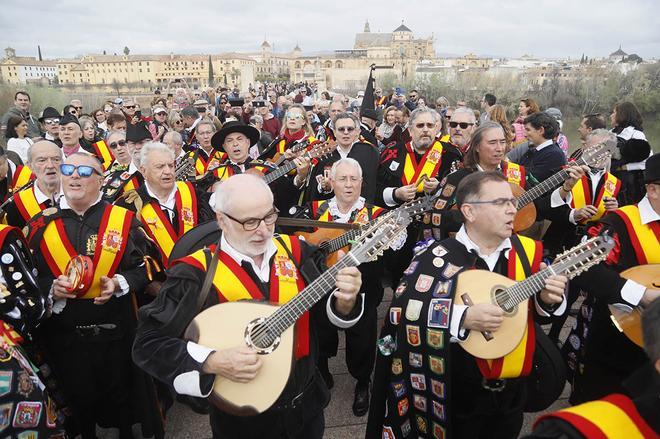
x=482, y=286
x=318, y=151
x=269, y=329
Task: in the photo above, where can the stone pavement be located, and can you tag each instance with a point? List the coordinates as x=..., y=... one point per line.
x=183, y=423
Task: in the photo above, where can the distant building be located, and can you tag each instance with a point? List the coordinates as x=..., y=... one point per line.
x=26, y=70
x=617, y=56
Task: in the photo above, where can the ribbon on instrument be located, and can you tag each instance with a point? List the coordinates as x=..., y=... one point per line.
x=518, y=362
x=514, y=173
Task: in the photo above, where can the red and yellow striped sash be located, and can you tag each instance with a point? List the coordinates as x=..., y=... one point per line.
x=21, y=177
x=582, y=195
x=515, y=173
x=518, y=362
x=428, y=165
x=104, y=154
x=110, y=246
x=27, y=204
x=645, y=238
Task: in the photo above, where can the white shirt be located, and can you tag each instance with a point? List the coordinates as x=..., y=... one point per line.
x=632, y=133
x=337, y=215
x=556, y=200
x=491, y=260
x=20, y=147
x=544, y=144
x=41, y=197
x=169, y=206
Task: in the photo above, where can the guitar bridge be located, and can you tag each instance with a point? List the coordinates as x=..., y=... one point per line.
x=260, y=337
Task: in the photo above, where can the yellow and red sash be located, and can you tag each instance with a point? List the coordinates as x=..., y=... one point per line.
x=515, y=173
x=428, y=165
x=518, y=362
x=645, y=238
x=202, y=165
x=27, y=204
x=381, y=100
x=104, y=154
x=225, y=171
x=614, y=416
x=113, y=232
x=582, y=195
x=363, y=216
x=158, y=226
x=232, y=283
x=281, y=145
x=132, y=184
x=22, y=176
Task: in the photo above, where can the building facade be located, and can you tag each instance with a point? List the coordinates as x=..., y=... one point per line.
x=26, y=70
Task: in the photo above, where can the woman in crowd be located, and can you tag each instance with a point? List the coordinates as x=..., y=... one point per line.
x=70, y=109
x=174, y=121
x=497, y=113
x=88, y=132
x=385, y=132
x=629, y=164
x=525, y=108
x=100, y=118
x=16, y=136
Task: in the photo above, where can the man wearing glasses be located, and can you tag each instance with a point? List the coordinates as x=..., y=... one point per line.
x=50, y=120
x=410, y=170
x=347, y=131
x=461, y=126
x=89, y=334
x=44, y=159
x=124, y=173
x=263, y=264
x=447, y=392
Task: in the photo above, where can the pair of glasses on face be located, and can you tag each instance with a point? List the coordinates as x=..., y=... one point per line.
x=84, y=171
x=251, y=224
x=161, y=114
x=51, y=121
x=130, y=107
x=463, y=125
x=497, y=202
x=428, y=125
x=117, y=144
x=345, y=129
x=294, y=116
x=78, y=108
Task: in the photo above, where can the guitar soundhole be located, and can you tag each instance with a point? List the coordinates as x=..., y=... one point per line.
x=259, y=336
x=502, y=299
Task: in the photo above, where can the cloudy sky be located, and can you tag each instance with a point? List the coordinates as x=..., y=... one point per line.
x=544, y=28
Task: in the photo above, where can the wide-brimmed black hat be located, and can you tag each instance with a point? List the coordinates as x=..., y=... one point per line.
x=49, y=113
x=235, y=127
x=69, y=118
x=137, y=133
x=652, y=171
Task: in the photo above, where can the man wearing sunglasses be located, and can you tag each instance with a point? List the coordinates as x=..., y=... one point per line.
x=346, y=131
x=452, y=393
x=44, y=159
x=124, y=174
x=265, y=265
x=410, y=170
x=461, y=126
x=50, y=121
x=88, y=336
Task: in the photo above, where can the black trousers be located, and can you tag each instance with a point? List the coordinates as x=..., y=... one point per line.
x=276, y=428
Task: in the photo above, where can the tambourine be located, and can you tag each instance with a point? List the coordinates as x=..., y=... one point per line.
x=80, y=271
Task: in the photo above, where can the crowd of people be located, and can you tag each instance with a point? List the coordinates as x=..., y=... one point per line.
x=122, y=228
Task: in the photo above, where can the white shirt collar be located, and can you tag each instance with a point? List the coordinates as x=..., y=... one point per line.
x=491, y=259
x=64, y=204
x=544, y=144
x=132, y=169
x=192, y=127
x=262, y=271
x=646, y=212
x=169, y=203
x=339, y=217
x=41, y=197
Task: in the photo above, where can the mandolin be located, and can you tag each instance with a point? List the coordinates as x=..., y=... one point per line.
x=629, y=320
x=481, y=286
x=526, y=215
x=269, y=329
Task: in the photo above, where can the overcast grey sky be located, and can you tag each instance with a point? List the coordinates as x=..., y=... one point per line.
x=544, y=28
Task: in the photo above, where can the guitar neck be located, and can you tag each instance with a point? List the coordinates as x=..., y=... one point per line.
x=279, y=172
x=287, y=315
x=545, y=186
x=342, y=241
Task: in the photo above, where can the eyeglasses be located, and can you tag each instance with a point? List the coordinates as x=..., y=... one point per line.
x=129, y=106
x=84, y=171
x=177, y=122
x=118, y=143
x=251, y=224
x=162, y=113
x=428, y=125
x=51, y=121
x=463, y=125
x=294, y=116
x=78, y=108
x=345, y=129
x=498, y=202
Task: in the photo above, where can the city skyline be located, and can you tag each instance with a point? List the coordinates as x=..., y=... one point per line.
x=483, y=27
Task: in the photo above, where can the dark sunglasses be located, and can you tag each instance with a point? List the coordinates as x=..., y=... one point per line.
x=346, y=129
x=129, y=106
x=161, y=114
x=114, y=145
x=83, y=170
x=463, y=125
x=428, y=125
x=78, y=108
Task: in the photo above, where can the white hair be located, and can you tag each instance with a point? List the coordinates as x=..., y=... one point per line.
x=464, y=110
x=424, y=110
x=174, y=137
x=29, y=151
x=150, y=147
x=345, y=161
x=221, y=198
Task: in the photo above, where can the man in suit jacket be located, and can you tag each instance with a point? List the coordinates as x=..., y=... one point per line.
x=544, y=156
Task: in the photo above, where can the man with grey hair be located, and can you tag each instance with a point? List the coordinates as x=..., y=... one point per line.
x=206, y=157
x=265, y=138
x=267, y=268
x=167, y=208
x=190, y=118
x=410, y=170
x=461, y=126
x=346, y=128
x=174, y=140
x=44, y=158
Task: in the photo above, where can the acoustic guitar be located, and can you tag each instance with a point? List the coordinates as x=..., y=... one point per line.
x=330, y=241
x=317, y=151
x=629, y=320
x=481, y=286
x=526, y=215
x=269, y=329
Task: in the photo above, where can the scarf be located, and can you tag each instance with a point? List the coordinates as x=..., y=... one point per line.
x=292, y=137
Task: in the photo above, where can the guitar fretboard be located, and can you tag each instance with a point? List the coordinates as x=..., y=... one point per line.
x=545, y=186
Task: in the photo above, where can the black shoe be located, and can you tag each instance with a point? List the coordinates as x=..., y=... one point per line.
x=361, y=400
x=325, y=373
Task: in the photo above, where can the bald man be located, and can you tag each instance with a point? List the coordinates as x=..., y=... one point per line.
x=265, y=265
x=44, y=159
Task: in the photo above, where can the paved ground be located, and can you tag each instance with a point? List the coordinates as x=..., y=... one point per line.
x=183, y=423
